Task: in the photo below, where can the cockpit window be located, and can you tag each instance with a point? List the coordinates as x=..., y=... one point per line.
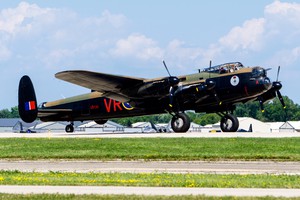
x=258, y=72
x=42, y=105
x=225, y=68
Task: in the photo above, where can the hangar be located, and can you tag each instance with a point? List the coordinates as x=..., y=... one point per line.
x=246, y=124
x=290, y=126
x=253, y=125
x=14, y=124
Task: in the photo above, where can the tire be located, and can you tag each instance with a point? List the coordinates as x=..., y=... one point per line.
x=180, y=123
x=229, y=123
x=101, y=121
x=69, y=128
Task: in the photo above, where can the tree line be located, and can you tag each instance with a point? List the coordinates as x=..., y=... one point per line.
x=10, y=113
x=273, y=111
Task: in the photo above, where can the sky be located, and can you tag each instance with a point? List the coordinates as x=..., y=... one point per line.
x=41, y=38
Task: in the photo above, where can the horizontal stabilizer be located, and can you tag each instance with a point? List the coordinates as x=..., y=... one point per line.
x=27, y=100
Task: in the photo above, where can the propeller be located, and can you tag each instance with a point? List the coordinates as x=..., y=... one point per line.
x=277, y=85
x=210, y=86
x=278, y=73
x=281, y=99
x=261, y=103
x=166, y=68
x=173, y=82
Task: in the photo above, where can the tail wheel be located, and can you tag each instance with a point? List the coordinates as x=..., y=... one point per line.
x=229, y=123
x=69, y=128
x=180, y=123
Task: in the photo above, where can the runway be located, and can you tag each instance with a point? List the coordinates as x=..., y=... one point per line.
x=220, y=167
x=212, y=167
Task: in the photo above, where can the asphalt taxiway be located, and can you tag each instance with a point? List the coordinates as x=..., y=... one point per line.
x=200, y=167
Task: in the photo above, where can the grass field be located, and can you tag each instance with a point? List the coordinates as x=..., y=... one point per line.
x=150, y=179
x=281, y=149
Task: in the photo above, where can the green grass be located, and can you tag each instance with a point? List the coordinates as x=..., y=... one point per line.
x=150, y=179
x=281, y=149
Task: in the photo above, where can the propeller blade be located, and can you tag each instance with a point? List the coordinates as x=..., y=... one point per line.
x=261, y=103
x=281, y=99
x=217, y=98
x=278, y=73
x=171, y=96
x=166, y=68
x=173, y=81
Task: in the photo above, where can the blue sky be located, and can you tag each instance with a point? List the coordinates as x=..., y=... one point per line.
x=41, y=38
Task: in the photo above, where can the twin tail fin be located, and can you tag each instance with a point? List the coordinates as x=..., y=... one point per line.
x=28, y=109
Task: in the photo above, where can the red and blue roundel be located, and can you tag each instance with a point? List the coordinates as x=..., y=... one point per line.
x=234, y=80
x=127, y=106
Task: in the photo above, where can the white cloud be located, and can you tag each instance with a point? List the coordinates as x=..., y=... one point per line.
x=137, y=46
x=285, y=57
x=283, y=22
x=53, y=37
x=17, y=20
x=180, y=49
x=262, y=39
x=182, y=55
x=116, y=20
x=249, y=36
x=283, y=9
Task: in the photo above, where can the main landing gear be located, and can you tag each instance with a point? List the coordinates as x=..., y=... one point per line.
x=229, y=123
x=70, y=128
x=180, y=123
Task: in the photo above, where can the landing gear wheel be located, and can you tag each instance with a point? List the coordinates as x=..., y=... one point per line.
x=69, y=128
x=229, y=123
x=180, y=123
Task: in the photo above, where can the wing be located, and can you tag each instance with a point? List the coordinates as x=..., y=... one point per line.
x=111, y=86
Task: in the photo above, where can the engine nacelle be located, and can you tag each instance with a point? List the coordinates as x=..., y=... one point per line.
x=203, y=87
x=158, y=88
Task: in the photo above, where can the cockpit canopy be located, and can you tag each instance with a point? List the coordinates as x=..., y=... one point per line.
x=258, y=72
x=225, y=68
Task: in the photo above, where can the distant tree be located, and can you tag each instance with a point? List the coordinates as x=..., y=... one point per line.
x=273, y=110
x=251, y=109
x=5, y=113
x=13, y=113
x=205, y=119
